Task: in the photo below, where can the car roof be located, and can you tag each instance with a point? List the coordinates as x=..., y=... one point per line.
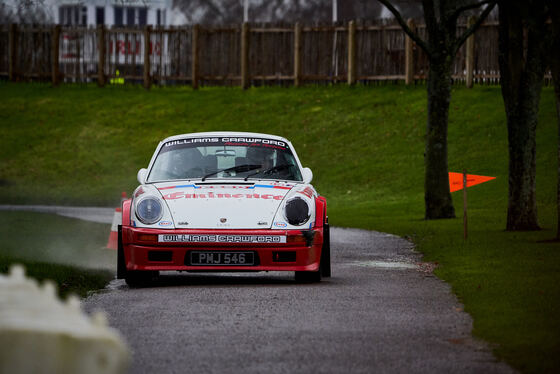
x=224, y=133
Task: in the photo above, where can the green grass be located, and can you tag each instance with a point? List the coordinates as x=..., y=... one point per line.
x=68, y=251
x=56, y=239
x=83, y=145
x=69, y=279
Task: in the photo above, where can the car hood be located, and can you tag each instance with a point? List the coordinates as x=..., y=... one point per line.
x=223, y=205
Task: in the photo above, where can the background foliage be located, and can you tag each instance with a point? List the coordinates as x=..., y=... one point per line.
x=83, y=145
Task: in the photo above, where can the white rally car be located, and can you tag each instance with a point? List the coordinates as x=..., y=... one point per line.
x=224, y=201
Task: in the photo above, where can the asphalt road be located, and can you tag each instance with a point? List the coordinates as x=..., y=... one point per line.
x=381, y=312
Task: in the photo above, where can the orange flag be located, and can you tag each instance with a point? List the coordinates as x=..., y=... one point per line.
x=456, y=180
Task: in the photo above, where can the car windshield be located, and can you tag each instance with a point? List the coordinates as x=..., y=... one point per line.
x=223, y=158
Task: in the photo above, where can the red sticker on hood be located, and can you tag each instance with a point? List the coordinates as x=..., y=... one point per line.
x=212, y=195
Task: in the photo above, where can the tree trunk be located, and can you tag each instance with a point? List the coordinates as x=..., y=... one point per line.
x=522, y=126
x=555, y=68
x=441, y=47
x=436, y=185
x=522, y=72
x=554, y=8
x=557, y=91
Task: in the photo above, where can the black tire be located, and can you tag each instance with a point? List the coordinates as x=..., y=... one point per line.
x=136, y=279
x=326, y=251
x=132, y=278
x=308, y=276
x=324, y=263
x=121, y=264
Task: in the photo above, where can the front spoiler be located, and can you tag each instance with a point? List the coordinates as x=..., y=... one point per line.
x=306, y=244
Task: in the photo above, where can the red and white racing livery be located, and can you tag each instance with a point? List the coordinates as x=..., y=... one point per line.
x=224, y=201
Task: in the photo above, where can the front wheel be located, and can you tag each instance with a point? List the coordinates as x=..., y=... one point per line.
x=324, y=263
x=308, y=276
x=132, y=278
x=137, y=278
x=326, y=252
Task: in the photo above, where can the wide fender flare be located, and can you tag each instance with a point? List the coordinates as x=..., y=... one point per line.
x=126, y=212
x=320, y=211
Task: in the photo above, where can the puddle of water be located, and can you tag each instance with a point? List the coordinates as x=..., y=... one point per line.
x=386, y=265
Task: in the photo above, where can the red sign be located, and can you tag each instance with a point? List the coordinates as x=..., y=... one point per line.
x=128, y=48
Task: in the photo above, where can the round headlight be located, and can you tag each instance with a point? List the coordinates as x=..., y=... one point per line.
x=149, y=210
x=297, y=211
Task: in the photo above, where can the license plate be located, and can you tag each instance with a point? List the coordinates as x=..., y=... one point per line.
x=207, y=258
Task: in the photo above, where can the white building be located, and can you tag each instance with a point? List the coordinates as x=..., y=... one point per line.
x=112, y=12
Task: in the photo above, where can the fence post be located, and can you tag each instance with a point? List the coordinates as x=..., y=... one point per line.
x=147, y=50
x=470, y=55
x=55, y=44
x=101, y=63
x=351, y=53
x=12, y=45
x=245, y=56
x=297, y=54
x=409, y=55
x=194, y=53
x=465, y=221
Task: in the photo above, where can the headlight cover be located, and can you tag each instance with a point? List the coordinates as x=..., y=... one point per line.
x=297, y=211
x=149, y=210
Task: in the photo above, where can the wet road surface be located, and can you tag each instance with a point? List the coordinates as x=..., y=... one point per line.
x=381, y=312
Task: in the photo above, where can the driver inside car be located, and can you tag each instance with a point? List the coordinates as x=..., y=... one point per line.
x=188, y=163
x=261, y=156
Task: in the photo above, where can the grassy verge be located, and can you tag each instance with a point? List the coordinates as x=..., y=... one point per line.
x=68, y=251
x=70, y=279
x=507, y=281
x=83, y=145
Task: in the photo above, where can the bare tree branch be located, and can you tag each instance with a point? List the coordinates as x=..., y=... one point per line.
x=459, y=42
x=470, y=6
x=405, y=27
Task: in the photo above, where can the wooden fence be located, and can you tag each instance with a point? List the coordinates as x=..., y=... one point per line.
x=247, y=54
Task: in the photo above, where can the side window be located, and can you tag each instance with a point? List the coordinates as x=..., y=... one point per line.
x=83, y=16
x=99, y=16
x=118, y=16
x=130, y=16
x=72, y=15
x=160, y=17
x=142, y=16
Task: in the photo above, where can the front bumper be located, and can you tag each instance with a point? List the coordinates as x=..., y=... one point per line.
x=143, y=250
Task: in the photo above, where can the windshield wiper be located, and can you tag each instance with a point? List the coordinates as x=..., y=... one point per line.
x=238, y=168
x=269, y=170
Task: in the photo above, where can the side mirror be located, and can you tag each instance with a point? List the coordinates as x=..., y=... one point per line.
x=141, y=176
x=307, y=175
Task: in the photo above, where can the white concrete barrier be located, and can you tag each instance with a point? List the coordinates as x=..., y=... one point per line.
x=41, y=334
